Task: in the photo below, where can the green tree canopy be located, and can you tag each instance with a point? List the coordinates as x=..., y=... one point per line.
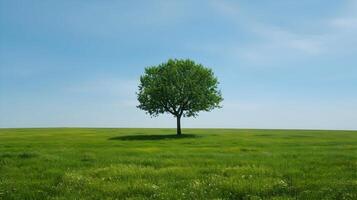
x=180, y=87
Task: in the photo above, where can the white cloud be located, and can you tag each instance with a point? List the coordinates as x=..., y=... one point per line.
x=229, y=9
x=120, y=93
x=110, y=18
x=110, y=86
x=344, y=23
x=308, y=46
x=275, y=44
x=279, y=40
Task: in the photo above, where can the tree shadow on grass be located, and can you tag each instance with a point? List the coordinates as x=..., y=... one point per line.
x=152, y=137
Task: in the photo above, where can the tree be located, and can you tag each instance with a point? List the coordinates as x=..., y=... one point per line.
x=179, y=87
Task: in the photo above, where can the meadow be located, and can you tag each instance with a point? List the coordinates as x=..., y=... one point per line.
x=103, y=163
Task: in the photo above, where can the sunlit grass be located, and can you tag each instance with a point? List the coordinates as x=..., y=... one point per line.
x=155, y=164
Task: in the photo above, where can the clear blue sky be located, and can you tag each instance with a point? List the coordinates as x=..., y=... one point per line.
x=281, y=63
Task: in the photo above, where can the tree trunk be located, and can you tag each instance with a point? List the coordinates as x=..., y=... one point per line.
x=178, y=125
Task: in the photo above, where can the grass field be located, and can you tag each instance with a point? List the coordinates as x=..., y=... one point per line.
x=80, y=163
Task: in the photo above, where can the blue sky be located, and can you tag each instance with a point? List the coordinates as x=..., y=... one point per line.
x=281, y=64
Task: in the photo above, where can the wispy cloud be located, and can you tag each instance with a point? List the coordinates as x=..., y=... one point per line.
x=344, y=23
x=98, y=19
x=107, y=85
x=275, y=43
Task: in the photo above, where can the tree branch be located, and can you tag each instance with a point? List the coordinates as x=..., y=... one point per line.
x=167, y=108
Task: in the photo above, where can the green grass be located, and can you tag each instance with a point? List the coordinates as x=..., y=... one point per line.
x=79, y=163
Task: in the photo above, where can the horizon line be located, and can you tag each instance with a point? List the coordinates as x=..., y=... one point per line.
x=88, y=127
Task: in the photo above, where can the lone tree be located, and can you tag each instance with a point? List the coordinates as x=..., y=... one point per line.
x=180, y=87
